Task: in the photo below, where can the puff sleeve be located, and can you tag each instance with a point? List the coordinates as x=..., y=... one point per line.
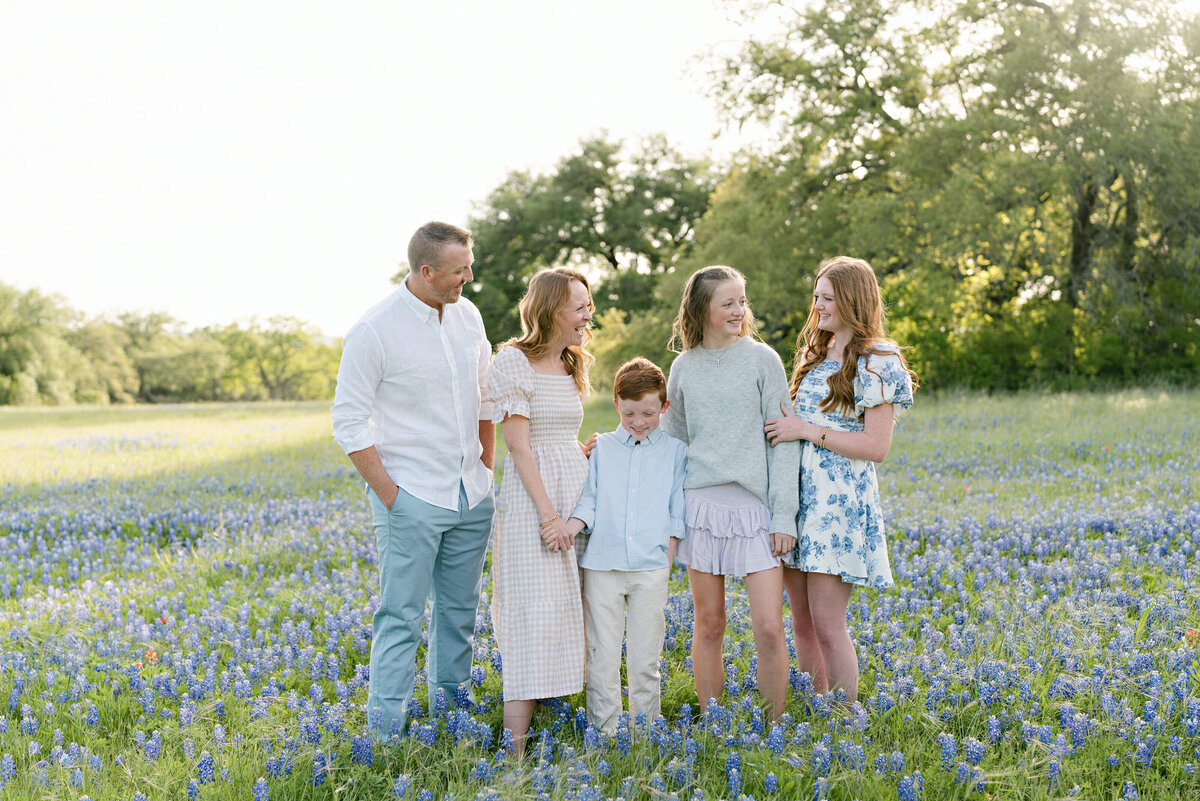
x=509, y=384
x=881, y=378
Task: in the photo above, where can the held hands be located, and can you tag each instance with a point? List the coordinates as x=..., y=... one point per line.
x=559, y=534
x=788, y=428
x=781, y=544
x=555, y=535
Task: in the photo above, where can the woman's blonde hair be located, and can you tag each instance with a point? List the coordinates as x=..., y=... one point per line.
x=687, y=331
x=860, y=305
x=550, y=291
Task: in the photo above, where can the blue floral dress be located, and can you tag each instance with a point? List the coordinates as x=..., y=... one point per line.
x=840, y=525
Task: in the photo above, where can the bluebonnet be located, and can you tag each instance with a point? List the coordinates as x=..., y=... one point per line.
x=319, y=770
x=771, y=784
x=362, y=751
x=204, y=769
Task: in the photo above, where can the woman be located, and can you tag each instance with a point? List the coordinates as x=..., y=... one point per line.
x=537, y=383
x=849, y=385
x=740, y=495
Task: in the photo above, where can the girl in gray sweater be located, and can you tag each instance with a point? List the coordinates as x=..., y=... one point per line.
x=741, y=495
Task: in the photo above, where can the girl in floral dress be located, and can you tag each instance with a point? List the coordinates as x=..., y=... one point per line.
x=848, y=386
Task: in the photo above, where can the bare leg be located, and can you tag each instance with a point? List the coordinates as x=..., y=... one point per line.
x=708, y=636
x=765, y=591
x=517, y=715
x=828, y=597
x=808, y=650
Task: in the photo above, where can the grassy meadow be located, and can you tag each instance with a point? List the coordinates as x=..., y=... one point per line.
x=186, y=596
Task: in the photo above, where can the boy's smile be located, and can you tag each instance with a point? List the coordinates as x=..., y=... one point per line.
x=641, y=416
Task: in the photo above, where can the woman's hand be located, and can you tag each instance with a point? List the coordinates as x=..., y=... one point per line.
x=788, y=428
x=781, y=544
x=556, y=536
x=588, y=446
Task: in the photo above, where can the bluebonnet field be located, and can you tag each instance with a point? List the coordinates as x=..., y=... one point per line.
x=186, y=595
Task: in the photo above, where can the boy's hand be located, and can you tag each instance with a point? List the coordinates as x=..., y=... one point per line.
x=672, y=547
x=574, y=526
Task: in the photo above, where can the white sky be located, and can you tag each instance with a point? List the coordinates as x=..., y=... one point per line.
x=222, y=160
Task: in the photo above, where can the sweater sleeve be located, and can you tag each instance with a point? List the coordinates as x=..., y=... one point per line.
x=674, y=419
x=783, y=460
x=677, y=504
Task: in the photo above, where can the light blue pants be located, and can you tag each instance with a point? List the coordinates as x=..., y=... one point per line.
x=425, y=552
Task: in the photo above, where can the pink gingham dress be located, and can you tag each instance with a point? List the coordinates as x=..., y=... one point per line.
x=537, y=613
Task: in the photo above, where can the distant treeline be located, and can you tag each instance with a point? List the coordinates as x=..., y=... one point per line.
x=50, y=354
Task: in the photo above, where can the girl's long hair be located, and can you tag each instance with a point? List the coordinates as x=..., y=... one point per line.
x=860, y=305
x=549, y=291
x=687, y=331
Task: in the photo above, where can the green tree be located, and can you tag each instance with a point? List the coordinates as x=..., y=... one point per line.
x=152, y=337
x=37, y=365
x=285, y=360
x=111, y=375
x=624, y=215
x=182, y=368
x=1011, y=170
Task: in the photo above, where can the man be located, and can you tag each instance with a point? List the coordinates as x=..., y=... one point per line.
x=410, y=414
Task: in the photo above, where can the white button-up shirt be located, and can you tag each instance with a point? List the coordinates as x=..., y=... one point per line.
x=414, y=387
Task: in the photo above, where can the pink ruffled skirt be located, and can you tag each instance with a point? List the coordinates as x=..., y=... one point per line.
x=727, y=530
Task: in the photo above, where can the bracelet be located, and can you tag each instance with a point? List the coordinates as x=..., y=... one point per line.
x=545, y=523
x=821, y=441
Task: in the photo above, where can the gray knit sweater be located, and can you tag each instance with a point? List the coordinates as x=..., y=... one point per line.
x=720, y=400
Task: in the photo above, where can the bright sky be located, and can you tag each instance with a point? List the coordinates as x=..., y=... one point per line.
x=223, y=160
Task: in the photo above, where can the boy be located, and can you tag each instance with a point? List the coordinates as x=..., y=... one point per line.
x=632, y=507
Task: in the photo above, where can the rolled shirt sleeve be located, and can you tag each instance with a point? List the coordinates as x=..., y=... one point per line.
x=358, y=378
x=485, y=358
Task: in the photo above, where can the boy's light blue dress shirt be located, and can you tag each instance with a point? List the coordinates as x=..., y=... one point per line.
x=632, y=503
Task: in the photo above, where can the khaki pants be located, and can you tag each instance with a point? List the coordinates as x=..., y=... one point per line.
x=623, y=606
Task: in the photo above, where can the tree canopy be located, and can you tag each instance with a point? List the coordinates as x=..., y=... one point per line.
x=624, y=214
x=1017, y=173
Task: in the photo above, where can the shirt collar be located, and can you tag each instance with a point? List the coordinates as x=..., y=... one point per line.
x=625, y=438
x=419, y=307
